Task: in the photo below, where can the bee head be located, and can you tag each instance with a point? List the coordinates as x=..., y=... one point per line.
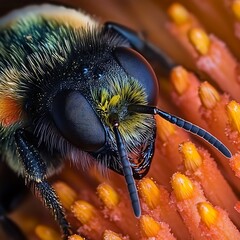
x=85, y=118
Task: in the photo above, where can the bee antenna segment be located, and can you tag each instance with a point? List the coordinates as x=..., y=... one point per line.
x=188, y=126
x=127, y=170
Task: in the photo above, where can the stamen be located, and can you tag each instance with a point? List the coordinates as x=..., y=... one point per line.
x=110, y=235
x=165, y=129
x=149, y=192
x=208, y=95
x=46, y=233
x=65, y=193
x=236, y=8
x=233, y=110
x=75, y=237
x=150, y=228
x=182, y=186
x=200, y=40
x=180, y=80
x=191, y=157
x=178, y=13
x=83, y=211
x=108, y=195
x=207, y=213
x=93, y=220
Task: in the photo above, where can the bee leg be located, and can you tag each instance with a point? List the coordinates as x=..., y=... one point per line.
x=35, y=170
x=154, y=55
x=12, y=190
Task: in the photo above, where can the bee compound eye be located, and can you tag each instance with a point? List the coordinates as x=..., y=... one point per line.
x=137, y=66
x=77, y=122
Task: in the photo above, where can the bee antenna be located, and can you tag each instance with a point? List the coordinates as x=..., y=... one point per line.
x=188, y=126
x=127, y=170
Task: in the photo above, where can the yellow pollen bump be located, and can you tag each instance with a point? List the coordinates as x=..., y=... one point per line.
x=83, y=211
x=46, y=233
x=208, y=95
x=149, y=192
x=179, y=79
x=108, y=195
x=65, y=193
x=200, y=40
x=207, y=213
x=236, y=8
x=164, y=129
x=178, y=13
x=149, y=227
x=110, y=235
x=191, y=157
x=182, y=186
x=233, y=110
x=75, y=237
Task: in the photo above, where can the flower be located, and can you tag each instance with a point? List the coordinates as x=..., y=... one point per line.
x=191, y=191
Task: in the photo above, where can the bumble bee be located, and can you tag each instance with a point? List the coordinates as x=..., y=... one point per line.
x=73, y=89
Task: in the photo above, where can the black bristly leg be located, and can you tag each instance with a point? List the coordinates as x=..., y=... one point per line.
x=154, y=55
x=35, y=170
